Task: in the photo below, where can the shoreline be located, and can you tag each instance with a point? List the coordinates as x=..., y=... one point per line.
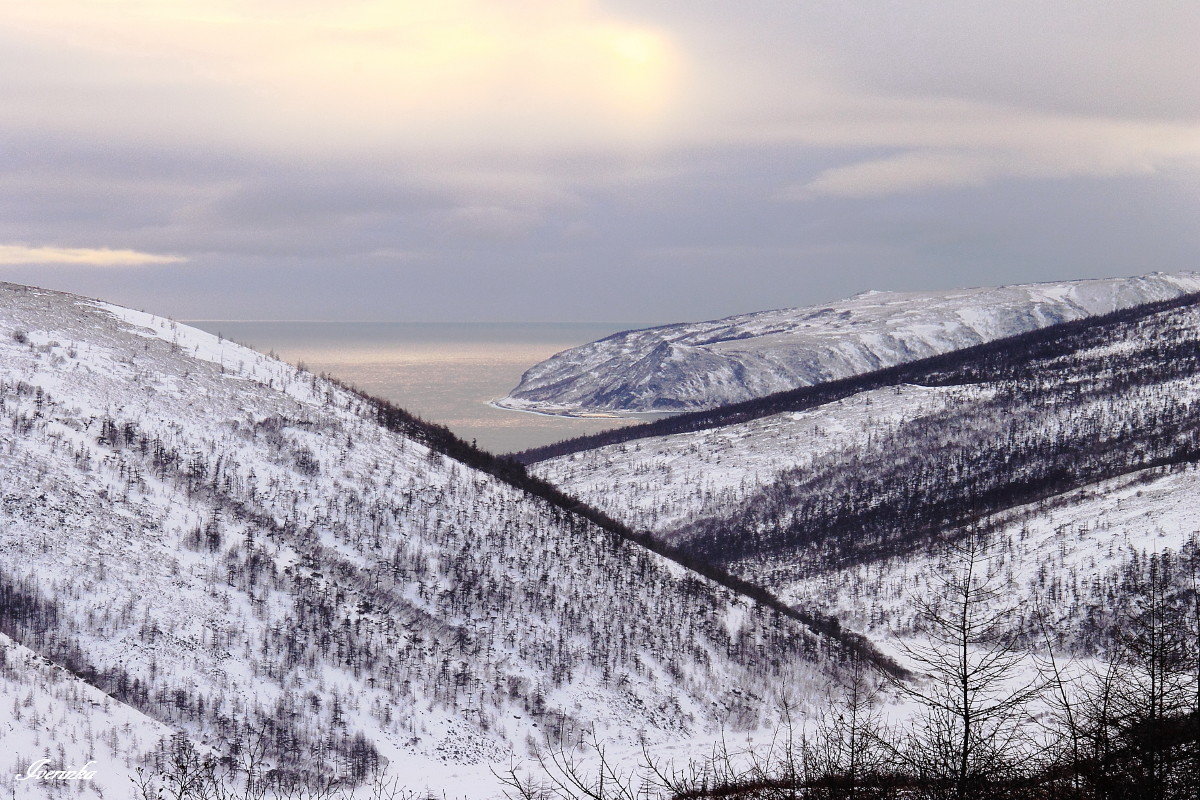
x=597, y=415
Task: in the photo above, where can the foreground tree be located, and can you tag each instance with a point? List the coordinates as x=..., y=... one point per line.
x=1130, y=727
x=971, y=734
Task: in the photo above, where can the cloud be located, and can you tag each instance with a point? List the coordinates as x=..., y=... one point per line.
x=373, y=73
x=480, y=81
x=903, y=173
x=946, y=144
x=487, y=223
x=23, y=255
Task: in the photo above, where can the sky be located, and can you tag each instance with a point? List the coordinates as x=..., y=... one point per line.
x=590, y=160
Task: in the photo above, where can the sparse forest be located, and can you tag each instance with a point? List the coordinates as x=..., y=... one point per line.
x=968, y=364
x=834, y=504
x=985, y=721
x=227, y=543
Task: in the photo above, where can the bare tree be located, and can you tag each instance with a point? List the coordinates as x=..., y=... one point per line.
x=970, y=735
x=570, y=773
x=182, y=772
x=851, y=746
x=1143, y=714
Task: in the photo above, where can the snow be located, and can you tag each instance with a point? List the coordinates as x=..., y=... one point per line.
x=1065, y=557
x=699, y=365
x=48, y=713
x=660, y=483
x=364, y=584
x=1061, y=559
x=354, y=581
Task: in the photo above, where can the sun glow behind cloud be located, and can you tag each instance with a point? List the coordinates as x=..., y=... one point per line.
x=454, y=85
x=527, y=71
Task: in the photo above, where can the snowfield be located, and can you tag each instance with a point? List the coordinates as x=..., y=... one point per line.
x=698, y=365
x=224, y=543
x=1067, y=561
x=200, y=540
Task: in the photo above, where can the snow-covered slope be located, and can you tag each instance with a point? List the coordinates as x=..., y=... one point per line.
x=699, y=365
x=1065, y=450
x=51, y=719
x=661, y=483
x=223, y=541
x=1132, y=377
x=1069, y=564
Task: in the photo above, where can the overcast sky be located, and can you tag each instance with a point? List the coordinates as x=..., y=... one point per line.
x=605, y=161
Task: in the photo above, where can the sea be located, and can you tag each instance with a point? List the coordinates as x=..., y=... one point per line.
x=444, y=372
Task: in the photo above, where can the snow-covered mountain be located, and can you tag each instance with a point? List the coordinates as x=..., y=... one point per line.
x=662, y=483
x=701, y=365
x=1070, y=453
x=224, y=542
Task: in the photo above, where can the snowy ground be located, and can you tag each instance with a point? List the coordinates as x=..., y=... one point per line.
x=1062, y=559
x=47, y=713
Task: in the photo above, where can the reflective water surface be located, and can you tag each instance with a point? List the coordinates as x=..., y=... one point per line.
x=444, y=372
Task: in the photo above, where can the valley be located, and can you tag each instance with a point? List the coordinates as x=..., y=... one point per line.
x=206, y=547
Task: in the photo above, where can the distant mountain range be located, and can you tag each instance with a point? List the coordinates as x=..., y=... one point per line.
x=701, y=365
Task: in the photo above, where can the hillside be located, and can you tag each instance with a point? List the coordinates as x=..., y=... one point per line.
x=224, y=542
x=48, y=713
x=1071, y=565
x=836, y=495
x=701, y=365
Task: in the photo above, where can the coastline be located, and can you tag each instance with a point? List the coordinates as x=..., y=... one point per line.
x=580, y=414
